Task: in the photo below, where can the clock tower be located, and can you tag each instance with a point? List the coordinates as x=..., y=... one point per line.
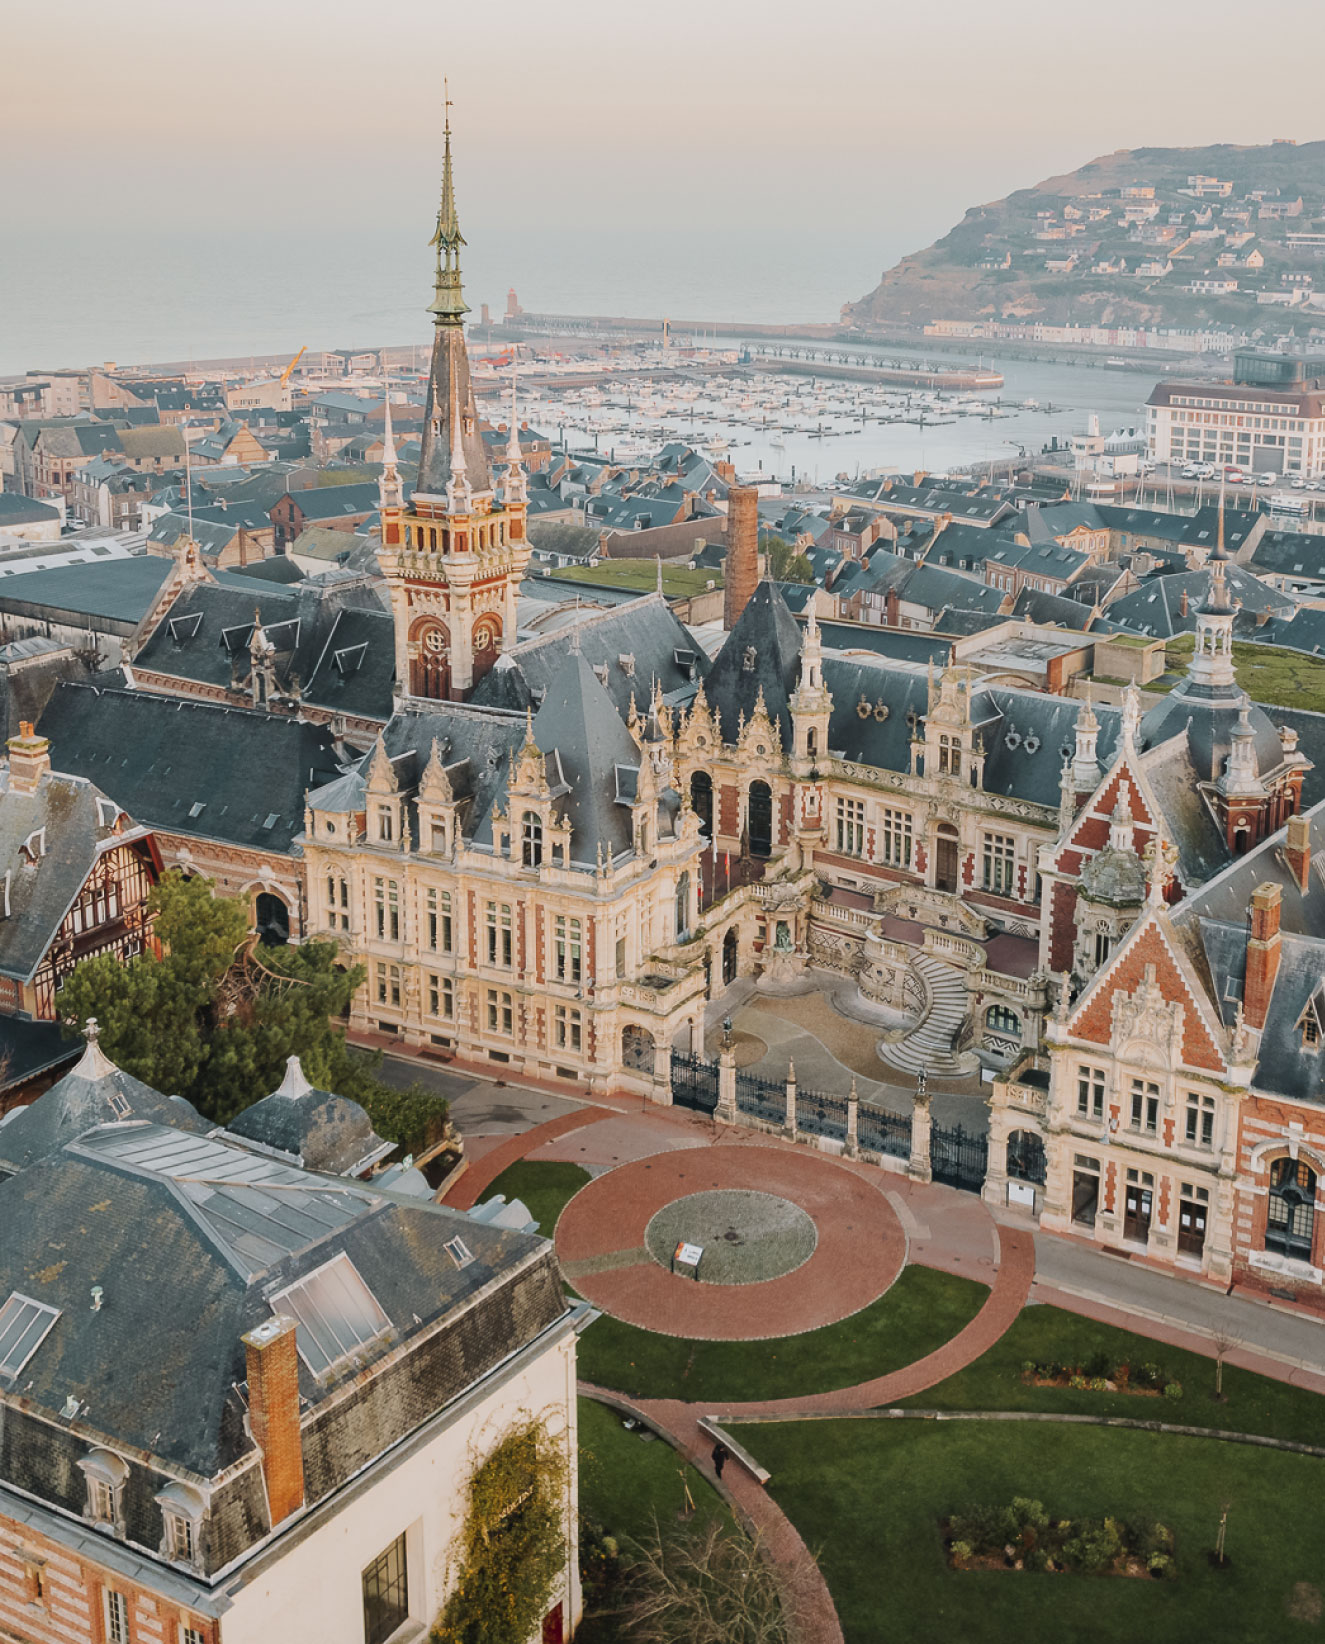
x=454, y=557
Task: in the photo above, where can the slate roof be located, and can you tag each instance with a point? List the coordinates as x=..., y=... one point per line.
x=20, y=510
x=113, y=597
x=1198, y=530
x=187, y=767
x=1214, y=925
x=762, y=652
x=899, y=645
x=29, y=1048
x=636, y=642
x=315, y=1129
x=321, y=502
x=1291, y=553
x=330, y=631
x=189, y=1237
x=1156, y=606
x=94, y=1092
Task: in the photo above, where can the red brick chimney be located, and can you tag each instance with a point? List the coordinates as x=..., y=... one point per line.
x=1262, y=954
x=741, y=569
x=29, y=759
x=1297, y=850
x=273, y=1413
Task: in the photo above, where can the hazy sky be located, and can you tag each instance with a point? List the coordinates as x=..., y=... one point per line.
x=790, y=127
x=697, y=109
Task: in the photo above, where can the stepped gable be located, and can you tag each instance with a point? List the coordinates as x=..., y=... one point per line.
x=93, y=1093
x=631, y=646
x=760, y=654
x=1151, y=956
x=314, y=1128
x=164, y=758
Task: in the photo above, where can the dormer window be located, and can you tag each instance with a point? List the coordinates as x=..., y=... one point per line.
x=181, y=1523
x=386, y=824
x=106, y=1474
x=531, y=848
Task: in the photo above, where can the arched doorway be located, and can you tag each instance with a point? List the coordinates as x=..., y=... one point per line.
x=1026, y=1160
x=730, y=957
x=760, y=824
x=945, y=858
x=701, y=801
x=272, y=918
x=637, y=1049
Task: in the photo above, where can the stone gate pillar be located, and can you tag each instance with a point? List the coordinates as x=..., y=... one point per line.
x=919, y=1169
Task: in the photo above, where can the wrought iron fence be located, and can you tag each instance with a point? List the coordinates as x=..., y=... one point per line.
x=761, y=1098
x=821, y=1115
x=694, y=1081
x=884, y=1132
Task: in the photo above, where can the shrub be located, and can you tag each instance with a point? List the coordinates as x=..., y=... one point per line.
x=1173, y=1390
x=1079, y=1382
x=1097, y=1366
x=1099, y=1384
x=962, y=1552
x=1161, y=1565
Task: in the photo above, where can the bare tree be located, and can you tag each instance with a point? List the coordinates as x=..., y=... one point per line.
x=703, y=1585
x=1223, y=1343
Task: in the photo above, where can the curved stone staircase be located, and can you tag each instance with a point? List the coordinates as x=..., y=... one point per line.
x=929, y=1044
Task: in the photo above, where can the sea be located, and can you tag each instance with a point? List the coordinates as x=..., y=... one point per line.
x=144, y=294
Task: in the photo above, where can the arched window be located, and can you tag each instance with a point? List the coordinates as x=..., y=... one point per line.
x=682, y=906
x=701, y=801
x=272, y=917
x=1000, y=1019
x=1292, y=1208
x=761, y=819
x=532, y=840
x=730, y=956
x=812, y=743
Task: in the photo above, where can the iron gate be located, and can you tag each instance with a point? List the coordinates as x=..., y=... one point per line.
x=958, y=1157
x=821, y=1115
x=694, y=1082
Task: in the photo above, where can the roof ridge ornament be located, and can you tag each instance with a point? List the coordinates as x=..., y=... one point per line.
x=93, y=1064
x=295, y=1082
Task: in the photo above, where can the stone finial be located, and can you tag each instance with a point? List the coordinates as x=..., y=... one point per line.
x=294, y=1084
x=93, y=1064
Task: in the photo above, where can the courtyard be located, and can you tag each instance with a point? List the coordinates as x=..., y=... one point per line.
x=851, y=1330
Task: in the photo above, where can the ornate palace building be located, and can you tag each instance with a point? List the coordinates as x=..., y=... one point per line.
x=1173, y=1110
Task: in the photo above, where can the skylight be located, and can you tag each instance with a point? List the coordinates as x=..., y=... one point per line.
x=24, y=1325
x=336, y=1314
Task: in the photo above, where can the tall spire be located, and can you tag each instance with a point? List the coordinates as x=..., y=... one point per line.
x=516, y=489
x=458, y=494
x=448, y=306
x=389, y=492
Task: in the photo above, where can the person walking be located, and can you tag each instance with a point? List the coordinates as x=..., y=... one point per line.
x=719, y=1458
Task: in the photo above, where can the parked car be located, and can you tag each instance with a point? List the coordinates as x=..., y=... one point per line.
x=1267, y=479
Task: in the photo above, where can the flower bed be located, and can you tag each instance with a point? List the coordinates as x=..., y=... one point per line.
x=1024, y=1537
x=1098, y=1374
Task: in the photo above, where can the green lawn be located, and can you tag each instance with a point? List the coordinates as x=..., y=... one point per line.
x=642, y=574
x=867, y=1497
x=1255, y=1404
x=627, y=1482
x=546, y=1189
x=1268, y=673
x=921, y=1311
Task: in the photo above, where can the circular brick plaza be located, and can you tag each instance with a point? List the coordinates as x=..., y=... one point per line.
x=835, y=1248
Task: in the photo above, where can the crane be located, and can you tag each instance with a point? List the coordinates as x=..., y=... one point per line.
x=285, y=375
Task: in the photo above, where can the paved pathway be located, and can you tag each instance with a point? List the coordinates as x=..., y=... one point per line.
x=860, y=1251
x=643, y=1157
